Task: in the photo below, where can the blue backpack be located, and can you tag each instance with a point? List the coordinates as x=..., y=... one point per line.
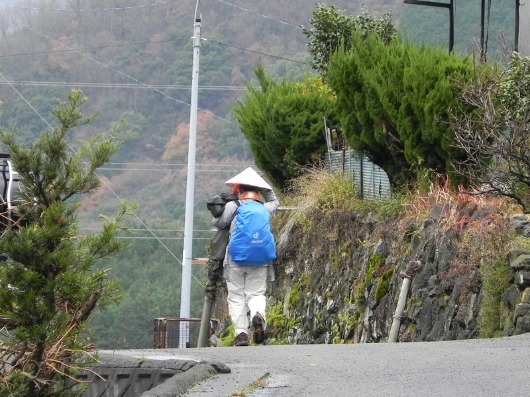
x=251, y=242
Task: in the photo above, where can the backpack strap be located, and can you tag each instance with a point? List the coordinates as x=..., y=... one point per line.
x=238, y=203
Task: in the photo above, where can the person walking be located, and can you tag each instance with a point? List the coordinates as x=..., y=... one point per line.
x=247, y=282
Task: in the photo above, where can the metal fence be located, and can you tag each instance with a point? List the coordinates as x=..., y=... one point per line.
x=172, y=332
x=369, y=179
x=176, y=332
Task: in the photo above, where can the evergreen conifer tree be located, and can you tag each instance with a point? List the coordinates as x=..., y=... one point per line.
x=284, y=124
x=48, y=286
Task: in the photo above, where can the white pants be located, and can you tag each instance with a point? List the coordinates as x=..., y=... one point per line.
x=246, y=292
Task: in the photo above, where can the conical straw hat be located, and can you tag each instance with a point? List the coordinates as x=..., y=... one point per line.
x=248, y=177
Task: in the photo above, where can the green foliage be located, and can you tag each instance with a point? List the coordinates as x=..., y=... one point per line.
x=27, y=126
x=335, y=334
x=514, y=89
x=284, y=124
x=393, y=99
x=317, y=189
x=48, y=285
x=332, y=29
x=495, y=280
x=228, y=336
x=295, y=295
x=357, y=294
x=277, y=323
x=375, y=262
x=381, y=287
x=338, y=193
x=151, y=279
x=390, y=208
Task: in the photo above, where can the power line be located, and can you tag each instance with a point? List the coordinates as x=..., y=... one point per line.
x=164, y=167
x=86, y=48
x=85, y=9
x=145, y=85
x=144, y=43
x=257, y=52
x=156, y=4
x=184, y=164
x=163, y=41
x=259, y=14
x=154, y=230
x=157, y=169
x=116, y=85
x=158, y=41
x=130, y=77
x=159, y=238
x=25, y=100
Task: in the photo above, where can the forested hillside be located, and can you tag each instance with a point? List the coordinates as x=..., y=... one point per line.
x=133, y=60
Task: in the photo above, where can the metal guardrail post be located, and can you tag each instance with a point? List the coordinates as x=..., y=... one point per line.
x=402, y=300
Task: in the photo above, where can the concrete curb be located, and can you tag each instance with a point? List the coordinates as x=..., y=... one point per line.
x=115, y=375
x=180, y=383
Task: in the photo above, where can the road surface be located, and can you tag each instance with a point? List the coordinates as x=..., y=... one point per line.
x=485, y=367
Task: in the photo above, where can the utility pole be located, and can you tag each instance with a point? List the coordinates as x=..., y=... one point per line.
x=190, y=181
x=451, y=16
x=482, y=28
x=516, y=38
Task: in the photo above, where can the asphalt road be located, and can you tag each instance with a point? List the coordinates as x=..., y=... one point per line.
x=485, y=367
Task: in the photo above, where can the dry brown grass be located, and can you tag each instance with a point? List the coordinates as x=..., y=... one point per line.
x=451, y=202
x=314, y=194
x=317, y=188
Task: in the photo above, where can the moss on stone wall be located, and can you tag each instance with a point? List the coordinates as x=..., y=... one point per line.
x=339, y=269
x=381, y=287
x=277, y=324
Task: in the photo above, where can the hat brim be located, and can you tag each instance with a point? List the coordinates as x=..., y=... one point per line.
x=249, y=177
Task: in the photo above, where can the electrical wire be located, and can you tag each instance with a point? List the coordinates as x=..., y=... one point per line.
x=87, y=48
x=85, y=9
x=155, y=230
x=156, y=4
x=145, y=43
x=159, y=238
x=173, y=167
x=261, y=15
x=157, y=169
x=257, y=52
x=115, y=85
x=130, y=77
x=24, y=99
x=184, y=164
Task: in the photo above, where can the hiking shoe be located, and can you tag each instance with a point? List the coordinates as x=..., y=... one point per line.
x=258, y=329
x=241, y=340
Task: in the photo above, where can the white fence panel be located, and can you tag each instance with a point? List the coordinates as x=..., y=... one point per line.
x=371, y=181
